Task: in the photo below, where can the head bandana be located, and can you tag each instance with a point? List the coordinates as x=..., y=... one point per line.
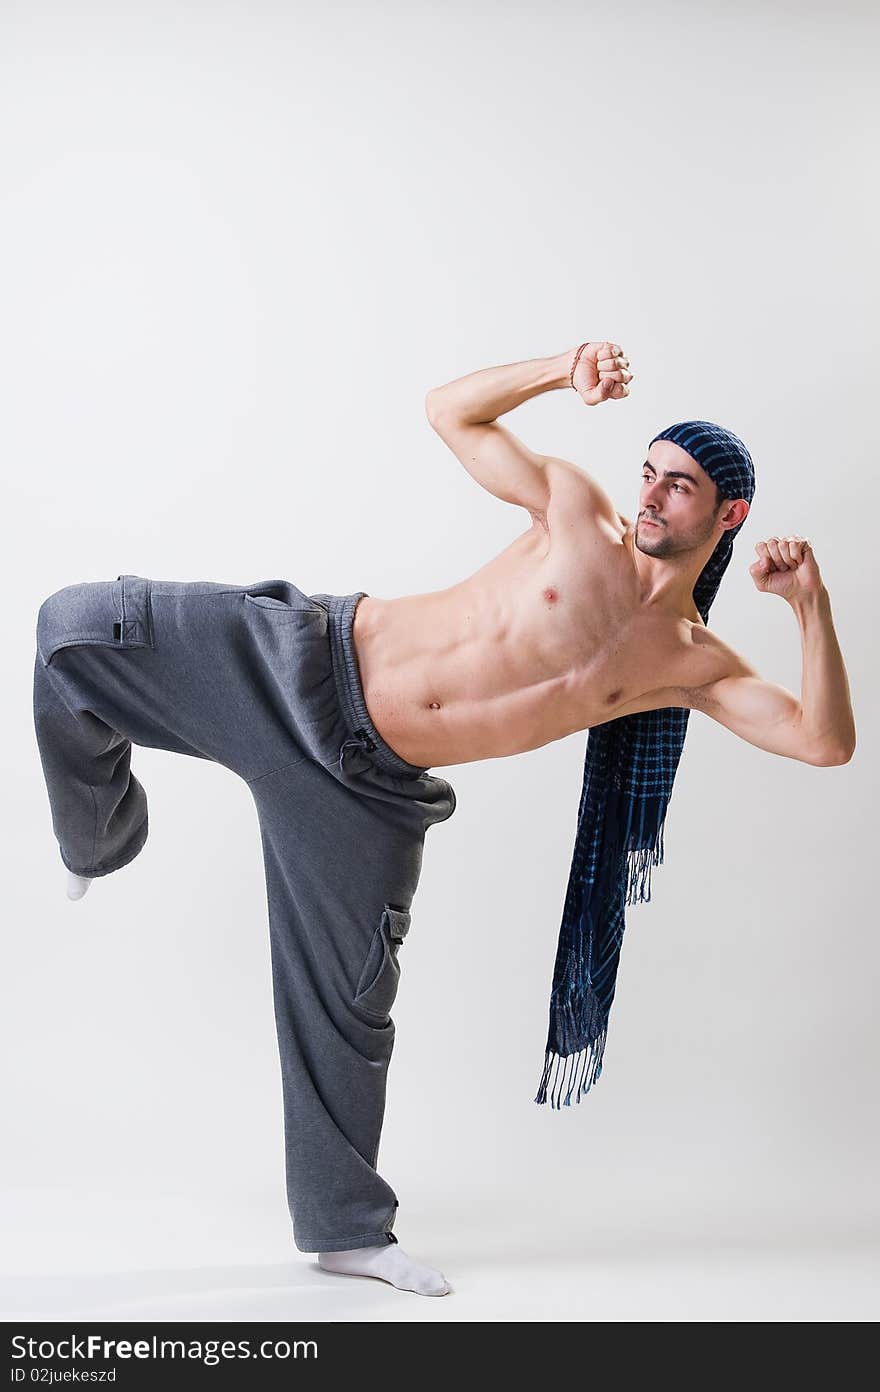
x=629, y=770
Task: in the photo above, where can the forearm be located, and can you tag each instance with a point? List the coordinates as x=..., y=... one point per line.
x=827, y=716
x=484, y=395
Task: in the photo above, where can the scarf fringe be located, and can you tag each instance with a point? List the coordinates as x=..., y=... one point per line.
x=585, y=1065
x=639, y=863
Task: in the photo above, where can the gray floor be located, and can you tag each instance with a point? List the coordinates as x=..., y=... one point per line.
x=66, y=1259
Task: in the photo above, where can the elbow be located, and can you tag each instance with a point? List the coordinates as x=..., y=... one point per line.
x=846, y=753
x=432, y=406
x=834, y=756
x=440, y=412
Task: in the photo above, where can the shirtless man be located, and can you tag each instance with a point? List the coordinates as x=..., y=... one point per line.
x=334, y=708
x=587, y=615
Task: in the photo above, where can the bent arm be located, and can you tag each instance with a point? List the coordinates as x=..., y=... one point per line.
x=817, y=729
x=463, y=413
x=761, y=712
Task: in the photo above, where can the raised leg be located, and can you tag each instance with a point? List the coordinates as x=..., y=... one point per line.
x=98, y=806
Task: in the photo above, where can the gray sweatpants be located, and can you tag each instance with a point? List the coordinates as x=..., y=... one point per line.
x=262, y=679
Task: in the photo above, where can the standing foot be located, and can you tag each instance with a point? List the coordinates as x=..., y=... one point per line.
x=76, y=885
x=388, y=1263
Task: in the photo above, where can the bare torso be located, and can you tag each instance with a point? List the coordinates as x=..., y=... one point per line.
x=547, y=638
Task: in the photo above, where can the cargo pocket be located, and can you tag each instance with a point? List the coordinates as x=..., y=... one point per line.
x=113, y=613
x=283, y=596
x=380, y=977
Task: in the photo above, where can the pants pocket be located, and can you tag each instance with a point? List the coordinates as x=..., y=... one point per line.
x=284, y=596
x=116, y=613
x=380, y=976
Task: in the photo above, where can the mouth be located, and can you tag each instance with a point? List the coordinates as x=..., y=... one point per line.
x=646, y=522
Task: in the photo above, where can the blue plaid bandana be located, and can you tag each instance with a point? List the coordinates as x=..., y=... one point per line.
x=629, y=770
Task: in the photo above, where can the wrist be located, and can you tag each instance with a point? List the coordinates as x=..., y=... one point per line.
x=811, y=601
x=560, y=367
x=570, y=361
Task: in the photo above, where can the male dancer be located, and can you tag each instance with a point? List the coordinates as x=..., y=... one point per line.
x=334, y=708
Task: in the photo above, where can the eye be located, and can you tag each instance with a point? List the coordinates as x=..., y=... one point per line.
x=648, y=478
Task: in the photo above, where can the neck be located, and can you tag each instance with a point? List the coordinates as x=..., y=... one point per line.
x=666, y=584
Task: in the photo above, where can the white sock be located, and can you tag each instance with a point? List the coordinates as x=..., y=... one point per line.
x=389, y=1263
x=76, y=885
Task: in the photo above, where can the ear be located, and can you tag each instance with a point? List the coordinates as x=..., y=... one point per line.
x=733, y=511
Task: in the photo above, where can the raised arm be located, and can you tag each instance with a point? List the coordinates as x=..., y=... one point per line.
x=820, y=727
x=463, y=413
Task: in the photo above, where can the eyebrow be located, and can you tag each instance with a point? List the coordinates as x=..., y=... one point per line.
x=672, y=473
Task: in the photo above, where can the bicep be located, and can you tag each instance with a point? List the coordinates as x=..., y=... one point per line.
x=760, y=712
x=497, y=460
x=555, y=491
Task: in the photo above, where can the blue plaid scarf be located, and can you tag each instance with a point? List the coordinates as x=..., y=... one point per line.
x=629, y=769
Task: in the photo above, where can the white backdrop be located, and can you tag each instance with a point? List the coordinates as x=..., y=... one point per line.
x=240, y=242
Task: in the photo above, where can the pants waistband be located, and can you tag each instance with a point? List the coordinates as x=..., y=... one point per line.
x=349, y=688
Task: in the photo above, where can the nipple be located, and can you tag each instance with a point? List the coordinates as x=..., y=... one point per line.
x=551, y=595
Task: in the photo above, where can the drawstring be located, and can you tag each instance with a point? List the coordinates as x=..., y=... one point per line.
x=356, y=746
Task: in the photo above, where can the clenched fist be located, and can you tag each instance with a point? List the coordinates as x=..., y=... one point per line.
x=786, y=566
x=601, y=372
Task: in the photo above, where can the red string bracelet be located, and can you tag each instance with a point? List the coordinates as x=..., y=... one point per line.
x=576, y=361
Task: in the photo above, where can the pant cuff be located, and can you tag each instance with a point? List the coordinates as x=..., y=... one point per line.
x=347, y=1244
x=133, y=849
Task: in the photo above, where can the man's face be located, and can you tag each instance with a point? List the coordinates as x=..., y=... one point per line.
x=677, y=502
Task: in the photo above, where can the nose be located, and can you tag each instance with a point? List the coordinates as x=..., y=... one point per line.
x=649, y=503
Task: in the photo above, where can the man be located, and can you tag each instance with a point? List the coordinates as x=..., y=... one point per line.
x=333, y=709
x=591, y=621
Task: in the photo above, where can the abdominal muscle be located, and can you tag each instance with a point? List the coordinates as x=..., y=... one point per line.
x=532, y=647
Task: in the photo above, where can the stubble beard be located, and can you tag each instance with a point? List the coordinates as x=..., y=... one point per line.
x=656, y=541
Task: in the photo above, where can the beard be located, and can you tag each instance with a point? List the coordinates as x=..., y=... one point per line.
x=656, y=541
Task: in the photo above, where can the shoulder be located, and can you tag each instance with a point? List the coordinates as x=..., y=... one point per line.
x=708, y=641
x=575, y=497
x=708, y=661
x=699, y=671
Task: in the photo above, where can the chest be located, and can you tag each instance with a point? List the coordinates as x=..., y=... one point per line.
x=589, y=621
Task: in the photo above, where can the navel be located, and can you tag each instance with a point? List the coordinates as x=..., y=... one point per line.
x=434, y=705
